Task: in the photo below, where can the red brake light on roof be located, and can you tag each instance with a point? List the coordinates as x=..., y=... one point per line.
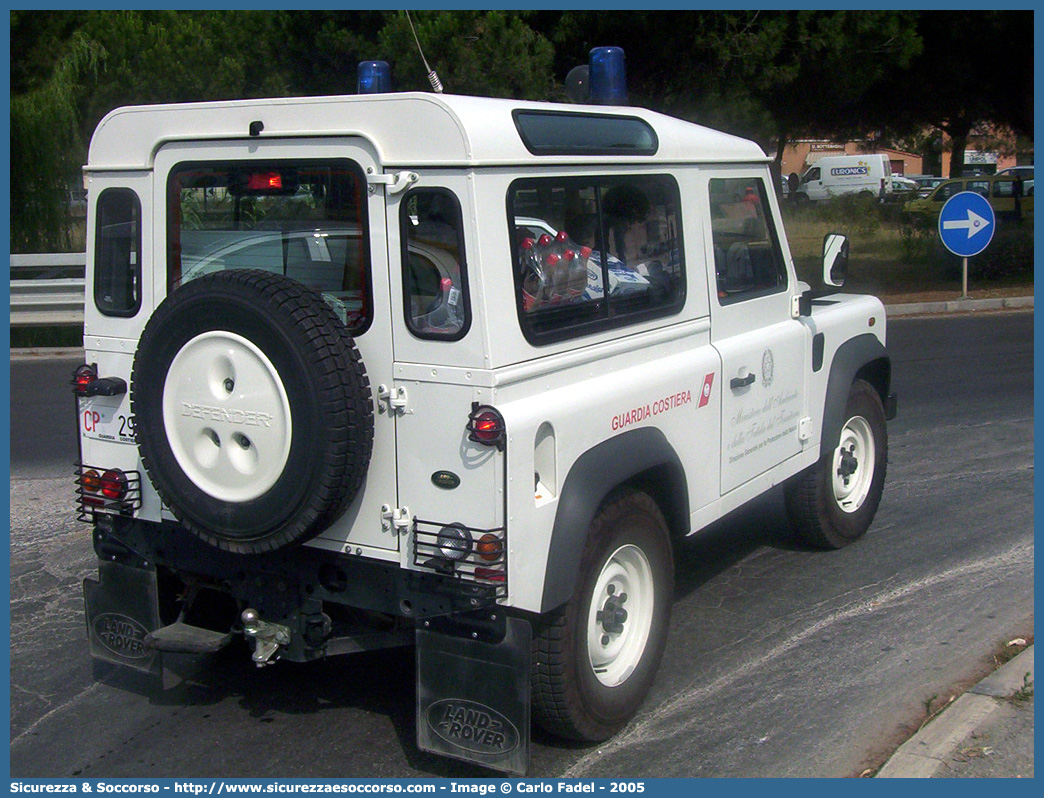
x=265, y=180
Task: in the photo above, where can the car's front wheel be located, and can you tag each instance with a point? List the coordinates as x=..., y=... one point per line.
x=833, y=503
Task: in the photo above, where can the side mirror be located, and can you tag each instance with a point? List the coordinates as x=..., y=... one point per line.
x=835, y=259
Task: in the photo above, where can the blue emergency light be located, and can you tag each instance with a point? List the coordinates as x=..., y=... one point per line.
x=374, y=77
x=608, y=79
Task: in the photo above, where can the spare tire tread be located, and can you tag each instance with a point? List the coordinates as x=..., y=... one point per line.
x=342, y=398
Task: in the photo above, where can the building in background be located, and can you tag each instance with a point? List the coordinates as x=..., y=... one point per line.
x=988, y=151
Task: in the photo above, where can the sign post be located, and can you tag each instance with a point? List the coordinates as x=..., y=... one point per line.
x=966, y=225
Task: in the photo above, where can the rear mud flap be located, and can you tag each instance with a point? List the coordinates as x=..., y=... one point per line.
x=473, y=697
x=122, y=607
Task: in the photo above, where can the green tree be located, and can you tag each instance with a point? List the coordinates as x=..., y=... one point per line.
x=976, y=70
x=767, y=75
x=488, y=53
x=47, y=150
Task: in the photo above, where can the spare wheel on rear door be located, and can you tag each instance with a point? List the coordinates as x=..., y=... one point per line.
x=252, y=410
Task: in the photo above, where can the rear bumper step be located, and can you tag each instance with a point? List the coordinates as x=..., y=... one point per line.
x=182, y=638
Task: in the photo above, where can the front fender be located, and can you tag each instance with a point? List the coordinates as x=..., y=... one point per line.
x=864, y=356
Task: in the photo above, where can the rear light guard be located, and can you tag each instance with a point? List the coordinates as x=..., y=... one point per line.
x=469, y=554
x=109, y=490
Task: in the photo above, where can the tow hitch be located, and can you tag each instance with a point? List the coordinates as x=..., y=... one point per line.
x=268, y=637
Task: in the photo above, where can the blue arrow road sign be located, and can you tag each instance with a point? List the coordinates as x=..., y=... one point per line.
x=966, y=224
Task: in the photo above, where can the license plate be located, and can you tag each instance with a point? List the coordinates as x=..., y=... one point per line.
x=105, y=421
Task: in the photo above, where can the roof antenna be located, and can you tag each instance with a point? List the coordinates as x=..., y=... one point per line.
x=433, y=78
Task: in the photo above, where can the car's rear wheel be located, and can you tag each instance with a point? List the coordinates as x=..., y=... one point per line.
x=595, y=658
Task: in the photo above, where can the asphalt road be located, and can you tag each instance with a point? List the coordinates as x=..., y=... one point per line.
x=781, y=661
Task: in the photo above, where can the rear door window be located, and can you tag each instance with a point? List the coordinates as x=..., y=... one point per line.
x=981, y=187
x=303, y=219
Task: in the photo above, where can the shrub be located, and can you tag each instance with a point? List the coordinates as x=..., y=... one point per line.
x=850, y=213
x=1010, y=254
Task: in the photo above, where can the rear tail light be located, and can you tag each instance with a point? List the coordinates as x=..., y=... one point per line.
x=454, y=542
x=486, y=426
x=114, y=484
x=86, y=382
x=108, y=489
x=473, y=556
x=490, y=547
x=82, y=379
x=91, y=481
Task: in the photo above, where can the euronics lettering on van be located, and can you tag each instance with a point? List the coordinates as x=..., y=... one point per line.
x=453, y=372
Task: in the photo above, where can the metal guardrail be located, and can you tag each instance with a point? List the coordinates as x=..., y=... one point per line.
x=47, y=290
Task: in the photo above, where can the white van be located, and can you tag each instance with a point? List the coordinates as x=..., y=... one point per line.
x=845, y=174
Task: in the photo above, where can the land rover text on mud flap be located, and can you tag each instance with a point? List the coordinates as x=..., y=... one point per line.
x=450, y=371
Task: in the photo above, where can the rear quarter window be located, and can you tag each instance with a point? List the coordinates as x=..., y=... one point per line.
x=435, y=290
x=117, y=253
x=594, y=253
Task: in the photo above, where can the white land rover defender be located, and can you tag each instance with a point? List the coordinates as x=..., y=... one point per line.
x=449, y=371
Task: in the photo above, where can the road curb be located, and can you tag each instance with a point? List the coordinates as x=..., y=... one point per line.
x=924, y=753
x=959, y=306
x=44, y=353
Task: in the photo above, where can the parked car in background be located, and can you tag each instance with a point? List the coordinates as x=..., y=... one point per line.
x=77, y=202
x=1000, y=191
x=1025, y=172
x=925, y=183
x=903, y=189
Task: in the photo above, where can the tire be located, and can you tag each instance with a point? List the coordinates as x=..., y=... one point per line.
x=591, y=672
x=833, y=503
x=253, y=413
x=802, y=200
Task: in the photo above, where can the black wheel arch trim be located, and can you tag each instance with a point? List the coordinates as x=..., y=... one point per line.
x=643, y=458
x=862, y=357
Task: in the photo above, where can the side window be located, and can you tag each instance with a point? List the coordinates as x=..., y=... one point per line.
x=303, y=219
x=747, y=257
x=117, y=253
x=947, y=191
x=594, y=253
x=1004, y=188
x=813, y=174
x=434, y=273
x=979, y=187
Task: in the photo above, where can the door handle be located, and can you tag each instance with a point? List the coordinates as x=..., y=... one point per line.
x=741, y=382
